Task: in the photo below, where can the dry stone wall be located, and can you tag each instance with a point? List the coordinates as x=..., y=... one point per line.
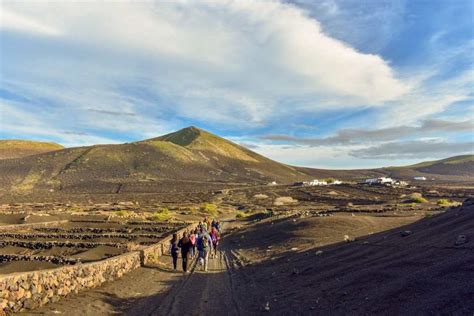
x=28, y=290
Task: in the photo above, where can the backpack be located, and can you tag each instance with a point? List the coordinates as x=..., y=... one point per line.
x=205, y=243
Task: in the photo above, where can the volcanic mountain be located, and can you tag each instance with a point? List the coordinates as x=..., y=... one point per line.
x=190, y=154
x=21, y=148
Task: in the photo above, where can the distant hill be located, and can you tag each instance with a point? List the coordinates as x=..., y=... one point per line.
x=190, y=154
x=21, y=148
x=458, y=166
x=190, y=159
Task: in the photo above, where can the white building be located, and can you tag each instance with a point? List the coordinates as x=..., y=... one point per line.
x=381, y=180
x=315, y=182
x=420, y=178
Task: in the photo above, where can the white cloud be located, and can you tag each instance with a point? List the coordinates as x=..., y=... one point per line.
x=225, y=60
x=12, y=21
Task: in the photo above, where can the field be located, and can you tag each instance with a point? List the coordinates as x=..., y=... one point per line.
x=73, y=239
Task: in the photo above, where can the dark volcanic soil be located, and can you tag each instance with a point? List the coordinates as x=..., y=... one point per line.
x=301, y=266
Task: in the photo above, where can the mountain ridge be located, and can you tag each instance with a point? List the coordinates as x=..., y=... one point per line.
x=190, y=154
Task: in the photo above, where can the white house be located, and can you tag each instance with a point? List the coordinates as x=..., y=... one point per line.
x=314, y=182
x=420, y=178
x=381, y=180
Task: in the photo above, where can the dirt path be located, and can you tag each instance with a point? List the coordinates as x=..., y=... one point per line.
x=158, y=291
x=202, y=292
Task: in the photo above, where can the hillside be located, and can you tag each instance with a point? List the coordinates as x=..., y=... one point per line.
x=458, y=166
x=190, y=159
x=10, y=149
x=190, y=154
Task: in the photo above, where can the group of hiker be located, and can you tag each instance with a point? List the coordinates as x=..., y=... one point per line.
x=201, y=242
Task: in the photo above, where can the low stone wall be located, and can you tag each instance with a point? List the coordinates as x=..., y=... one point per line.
x=31, y=225
x=28, y=290
x=151, y=253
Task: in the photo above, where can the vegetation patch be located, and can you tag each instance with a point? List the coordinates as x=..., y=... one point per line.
x=209, y=208
x=161, y=215
x=446, y=202
x=329, y=180
x=282, y=200
x=417, y=198
x=123, y=213
x=240, y=214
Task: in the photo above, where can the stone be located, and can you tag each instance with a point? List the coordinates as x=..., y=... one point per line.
x=267, y=307
x=462, y=239
x=348, y=239
x=406, y=233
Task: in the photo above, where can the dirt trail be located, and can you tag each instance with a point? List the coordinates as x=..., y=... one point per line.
x=158, y=291
x=202, y=292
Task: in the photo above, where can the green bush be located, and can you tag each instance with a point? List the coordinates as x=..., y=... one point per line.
x=329, y=180
x=209, y=208
x=417, y=198
x=161, y=215
x=443, y=202
x=446, y=202
x=240, y=214
x=121, y=213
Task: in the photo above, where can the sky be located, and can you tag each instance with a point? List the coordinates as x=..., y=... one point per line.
x=329, y=83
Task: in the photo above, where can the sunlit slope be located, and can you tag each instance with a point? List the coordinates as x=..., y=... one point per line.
x=189, y=154
x=461, y=166
x=10, y=149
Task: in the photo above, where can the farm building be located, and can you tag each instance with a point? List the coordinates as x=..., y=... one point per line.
x=420, y=178
x=381, y=180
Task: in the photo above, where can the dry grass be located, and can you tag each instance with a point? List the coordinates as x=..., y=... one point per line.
x=283, y=200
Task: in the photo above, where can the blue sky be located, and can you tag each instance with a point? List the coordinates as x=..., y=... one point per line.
x=331, y=84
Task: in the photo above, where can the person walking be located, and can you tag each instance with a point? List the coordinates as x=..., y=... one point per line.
x=185, y=246
x=204, y=249
x=192, y=240
x=215, y=240
x=174, y=250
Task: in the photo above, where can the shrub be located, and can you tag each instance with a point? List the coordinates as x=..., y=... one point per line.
x=417, y=198
x=122, y=213
x=161, y=215
x=240, y=214
x=443, y=202
x=329, y=180
x=209, y=208
x=446, y=202
x=282, y=200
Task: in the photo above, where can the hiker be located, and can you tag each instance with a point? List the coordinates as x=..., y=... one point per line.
x=185, y=245
x=218, y=226
x=192, y=240
x=215, y=240
x=174, y=250
x=203, y=246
